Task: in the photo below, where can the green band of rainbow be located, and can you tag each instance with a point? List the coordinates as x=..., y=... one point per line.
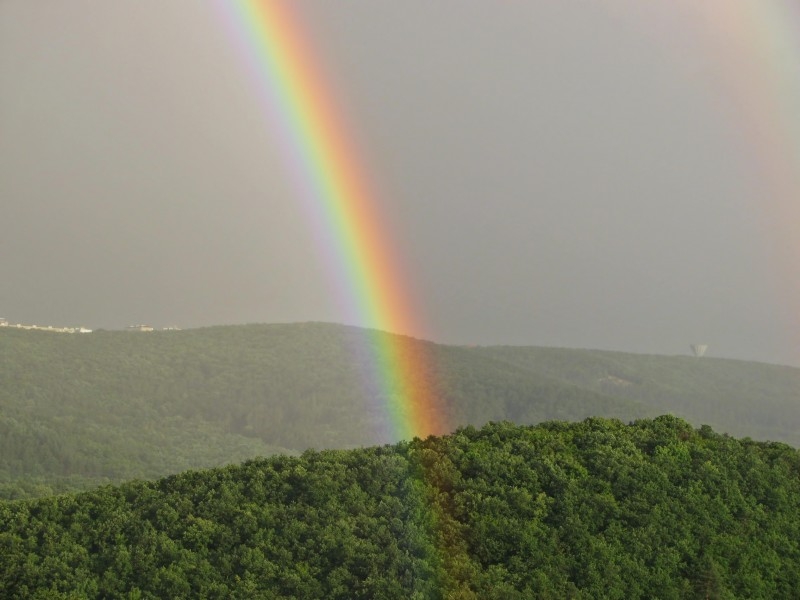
x=338, y=195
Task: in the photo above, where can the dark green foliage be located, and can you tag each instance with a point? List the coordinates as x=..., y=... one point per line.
x=78, y=411
x=327, y=525
x=596, y=509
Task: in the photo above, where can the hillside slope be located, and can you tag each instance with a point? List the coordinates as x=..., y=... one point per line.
x=741, y=398
x=78, y=410
x=596, y=509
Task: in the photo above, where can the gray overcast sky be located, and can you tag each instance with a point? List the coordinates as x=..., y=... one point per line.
x=558, y=172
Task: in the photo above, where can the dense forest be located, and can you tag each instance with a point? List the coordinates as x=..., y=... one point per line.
x=83, y=410
x=596, y=509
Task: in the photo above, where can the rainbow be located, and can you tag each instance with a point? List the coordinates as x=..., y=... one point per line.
x=749, y=51
x=758, y=44
x=341, y=202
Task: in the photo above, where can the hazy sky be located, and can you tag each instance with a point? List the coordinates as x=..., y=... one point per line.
x=560, y=172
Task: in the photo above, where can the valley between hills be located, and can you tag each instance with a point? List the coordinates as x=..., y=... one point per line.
x=111, y=406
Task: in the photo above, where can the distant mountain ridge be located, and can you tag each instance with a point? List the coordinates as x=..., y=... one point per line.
x=742, y=398
x=112, y=405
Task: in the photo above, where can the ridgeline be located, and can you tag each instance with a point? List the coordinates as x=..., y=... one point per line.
x=78, y=411
x=597, y=509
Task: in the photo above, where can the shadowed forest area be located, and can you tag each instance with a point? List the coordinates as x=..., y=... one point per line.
x=84, y=410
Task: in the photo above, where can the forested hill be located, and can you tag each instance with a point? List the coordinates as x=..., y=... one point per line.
x=741, y=398
x=78, y=410
x=597, y=509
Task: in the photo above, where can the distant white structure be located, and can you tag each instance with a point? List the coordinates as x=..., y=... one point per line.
x=5, y=323
x=699, y=349
x=140, y=327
